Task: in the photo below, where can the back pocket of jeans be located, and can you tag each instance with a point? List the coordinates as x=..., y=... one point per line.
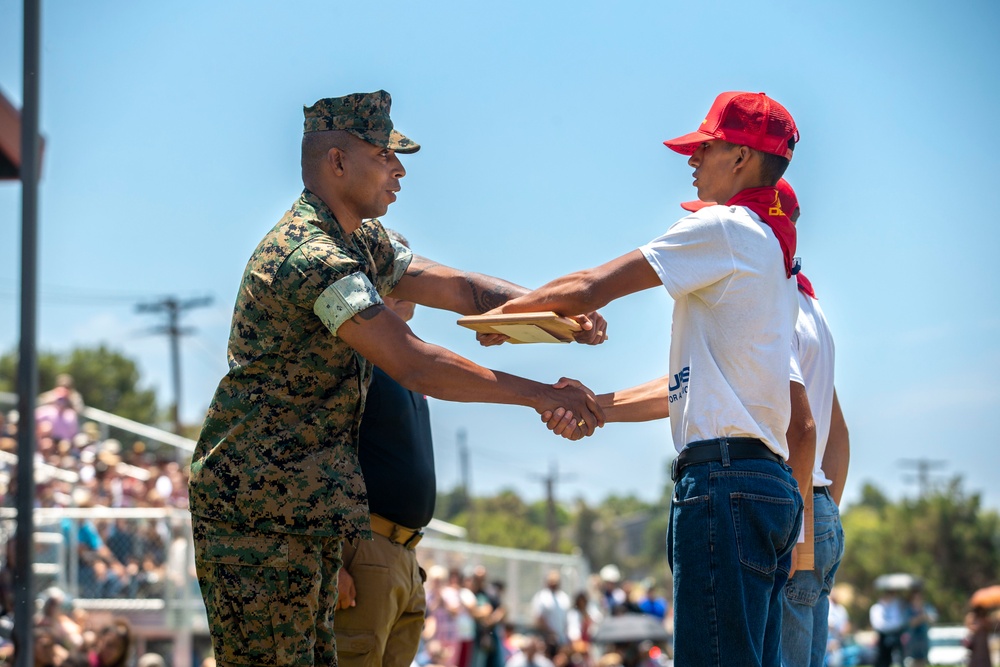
x=763, y=528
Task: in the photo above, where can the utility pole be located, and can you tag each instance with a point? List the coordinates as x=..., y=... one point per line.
x=173, y=308
x=925, y=467
x=463, y=462
x=550, y=482
x=27, y=368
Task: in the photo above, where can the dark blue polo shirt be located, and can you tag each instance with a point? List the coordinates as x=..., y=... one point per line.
x=397, y=453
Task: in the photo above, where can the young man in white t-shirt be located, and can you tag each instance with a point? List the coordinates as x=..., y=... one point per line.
x=823, y=455
x=806, y=595
x=805, y=624
x=736, y=510
x=550, y=607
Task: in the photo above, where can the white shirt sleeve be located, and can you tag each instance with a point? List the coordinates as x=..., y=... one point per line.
x=693, y=254
x=795, y=370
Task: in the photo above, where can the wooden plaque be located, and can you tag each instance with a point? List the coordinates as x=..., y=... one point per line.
x=805, y=553
x=546, y=327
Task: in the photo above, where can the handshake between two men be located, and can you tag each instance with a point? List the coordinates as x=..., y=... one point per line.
x=495, y=329
x=643, y=402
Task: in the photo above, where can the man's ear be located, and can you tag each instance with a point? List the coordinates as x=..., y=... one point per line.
x=335, y=160
x=742, y=158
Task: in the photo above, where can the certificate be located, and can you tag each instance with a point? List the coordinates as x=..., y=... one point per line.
x=546, y=327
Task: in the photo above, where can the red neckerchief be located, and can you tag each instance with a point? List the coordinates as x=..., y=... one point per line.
x=767, y=205
x=805, y=286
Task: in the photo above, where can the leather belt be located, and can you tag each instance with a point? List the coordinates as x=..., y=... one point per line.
x=408, y=537
x=706, y=451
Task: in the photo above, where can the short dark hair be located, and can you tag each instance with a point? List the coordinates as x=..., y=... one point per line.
x=772, y=167
x=315, y=146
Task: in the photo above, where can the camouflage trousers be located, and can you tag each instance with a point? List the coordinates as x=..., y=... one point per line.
x=270, y=597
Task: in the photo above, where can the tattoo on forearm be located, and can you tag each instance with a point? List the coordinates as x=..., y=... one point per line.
x=487, y=296
x=419, y=265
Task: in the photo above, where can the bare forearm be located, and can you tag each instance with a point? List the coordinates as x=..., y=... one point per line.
x=801, y=455
x=641, y=403
x=380, y=336
x=484, y=293
x=568, y=295
x=438, y=372
x=837, y=457
x=801, y=437
x=438, y=286
x=590, y=289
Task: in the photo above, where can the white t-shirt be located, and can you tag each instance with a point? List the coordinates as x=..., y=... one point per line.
x=554, y=608
x=812, y=367
x=837, y=620
x=734, y=314
x=887, y=615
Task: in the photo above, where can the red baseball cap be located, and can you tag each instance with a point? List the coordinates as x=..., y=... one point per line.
x=746, y=119
x=789, y=202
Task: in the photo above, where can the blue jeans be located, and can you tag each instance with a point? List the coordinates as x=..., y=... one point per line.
x=807, y=594
x=732, y=528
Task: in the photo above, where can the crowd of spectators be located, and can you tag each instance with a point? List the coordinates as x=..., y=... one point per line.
x=78, y=466
x=109, y=474
x=67, y=637
x=468, y=626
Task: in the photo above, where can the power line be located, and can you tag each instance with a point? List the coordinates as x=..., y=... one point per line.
x=173, y=308
x=465, y=473
x=73, y=296
x=211, y=356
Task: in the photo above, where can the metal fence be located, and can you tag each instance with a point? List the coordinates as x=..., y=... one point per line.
x=138, y=563
x=133, y=563
x=521, y=572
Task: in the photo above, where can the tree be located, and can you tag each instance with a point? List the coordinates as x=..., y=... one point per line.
x=944, y=538
x=452, y=503
x=506, y=521
x=106, y=379
x=599, y=532
x=603, y=534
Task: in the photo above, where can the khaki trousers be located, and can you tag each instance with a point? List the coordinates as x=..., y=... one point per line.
x=383, y=628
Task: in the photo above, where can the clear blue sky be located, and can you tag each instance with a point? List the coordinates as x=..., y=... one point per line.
x=172, y=146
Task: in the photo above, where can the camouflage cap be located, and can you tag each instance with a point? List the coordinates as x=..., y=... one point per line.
x=365, y=115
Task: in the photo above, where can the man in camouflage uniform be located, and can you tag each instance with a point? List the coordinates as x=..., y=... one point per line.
x=275, y=479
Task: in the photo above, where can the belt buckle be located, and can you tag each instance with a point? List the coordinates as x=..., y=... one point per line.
x=673, y=469
x=413, y=539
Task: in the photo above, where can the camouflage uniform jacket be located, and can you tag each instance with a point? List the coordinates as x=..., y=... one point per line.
x=278, y=451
